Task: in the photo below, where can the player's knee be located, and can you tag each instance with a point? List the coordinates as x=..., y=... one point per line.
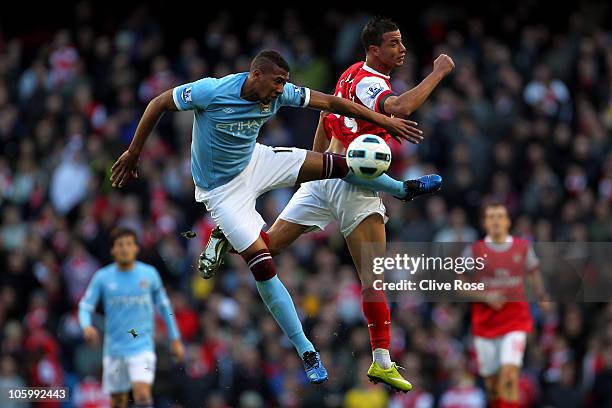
x=119, y=400
x=275, y=245
x=507, y=384
x=142, y=394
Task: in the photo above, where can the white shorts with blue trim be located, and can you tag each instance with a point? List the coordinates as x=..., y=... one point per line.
x=119, y=373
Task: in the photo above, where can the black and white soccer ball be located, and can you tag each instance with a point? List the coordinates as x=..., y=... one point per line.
x=368, y=156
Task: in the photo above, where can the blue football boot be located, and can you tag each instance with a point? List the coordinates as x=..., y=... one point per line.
x=313, y=366
x=428, y=184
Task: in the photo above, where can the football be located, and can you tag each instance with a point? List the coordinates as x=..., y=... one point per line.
x=368, y=156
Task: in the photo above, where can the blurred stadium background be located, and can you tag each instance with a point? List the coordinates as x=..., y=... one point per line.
x=526, y=119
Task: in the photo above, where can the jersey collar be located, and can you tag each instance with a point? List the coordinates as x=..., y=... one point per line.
x=373, y=71
x=489, y=240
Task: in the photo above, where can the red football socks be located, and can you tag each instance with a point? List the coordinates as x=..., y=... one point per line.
x=376, y=311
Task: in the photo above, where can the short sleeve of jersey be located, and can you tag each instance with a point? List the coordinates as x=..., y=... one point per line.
x=195, y=95
x=293, y=95
x=369, y=91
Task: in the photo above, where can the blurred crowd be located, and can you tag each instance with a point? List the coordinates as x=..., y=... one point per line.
x=525, y=119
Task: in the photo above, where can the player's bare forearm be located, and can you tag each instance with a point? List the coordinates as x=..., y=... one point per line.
x=152, y=114
x=400, y=129
x=345, y=107
x=320, y=142
x=406, y=103
x=125, y=166
x=537, y=283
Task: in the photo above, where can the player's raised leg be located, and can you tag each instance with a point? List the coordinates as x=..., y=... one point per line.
x=282, y=234
x=279, y=303
x=366, y=242
x=320, y=166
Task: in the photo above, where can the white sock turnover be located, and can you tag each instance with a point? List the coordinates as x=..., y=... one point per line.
x=382, y=358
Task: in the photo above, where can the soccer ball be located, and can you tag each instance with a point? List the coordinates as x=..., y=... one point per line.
x=368, y=156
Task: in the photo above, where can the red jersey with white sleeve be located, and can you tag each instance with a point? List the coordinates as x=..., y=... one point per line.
x=506, y=266
x=367, y=87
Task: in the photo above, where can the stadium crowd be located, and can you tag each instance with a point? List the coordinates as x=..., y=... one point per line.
x=526, y=119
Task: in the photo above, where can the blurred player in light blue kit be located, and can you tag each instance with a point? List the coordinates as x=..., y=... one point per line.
x=129, y=290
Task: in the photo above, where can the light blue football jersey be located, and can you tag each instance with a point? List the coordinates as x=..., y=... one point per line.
x=225, y=126
x=128, y=298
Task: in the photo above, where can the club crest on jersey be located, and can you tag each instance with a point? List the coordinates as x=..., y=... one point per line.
x=298, y=90
x=186, y=95
x=143, y=284
x=374, y=90
x=265, y=107
x=517, y=258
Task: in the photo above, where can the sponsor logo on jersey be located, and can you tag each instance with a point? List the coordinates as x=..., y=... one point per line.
x=374, y=90
x=186, y=94
x=247, y=127
x=144, y=299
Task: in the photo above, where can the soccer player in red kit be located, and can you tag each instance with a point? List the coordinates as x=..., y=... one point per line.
x=359, y=211
x=500, y=322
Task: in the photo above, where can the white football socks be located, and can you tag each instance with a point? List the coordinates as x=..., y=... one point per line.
x=382, y=358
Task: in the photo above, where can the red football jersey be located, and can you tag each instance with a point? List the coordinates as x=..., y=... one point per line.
x=367, y=87
x=505, y=269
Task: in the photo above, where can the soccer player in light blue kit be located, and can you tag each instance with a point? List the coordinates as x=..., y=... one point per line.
x=129, y=290
x=230, y=169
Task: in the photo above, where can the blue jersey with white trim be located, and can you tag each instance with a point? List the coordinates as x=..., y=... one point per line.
x=128, y=298
x=225, y=126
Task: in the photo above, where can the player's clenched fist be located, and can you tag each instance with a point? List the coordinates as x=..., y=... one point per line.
x=444, y=64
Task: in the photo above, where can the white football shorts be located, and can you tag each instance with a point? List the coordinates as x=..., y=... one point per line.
x=232, y=205
x=119, y=373
x=492, y=353
x=317, y=203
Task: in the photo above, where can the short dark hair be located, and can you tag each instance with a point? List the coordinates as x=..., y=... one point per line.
x=120, y=232
x=493, y=204
x=267, y=59
x=373, y=32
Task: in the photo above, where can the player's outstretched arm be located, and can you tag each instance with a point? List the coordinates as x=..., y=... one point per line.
x=406, y=103
x=125, y=166
x=399, y=129
x=320, y=143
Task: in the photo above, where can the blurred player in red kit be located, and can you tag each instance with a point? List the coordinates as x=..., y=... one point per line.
x=501, y=321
